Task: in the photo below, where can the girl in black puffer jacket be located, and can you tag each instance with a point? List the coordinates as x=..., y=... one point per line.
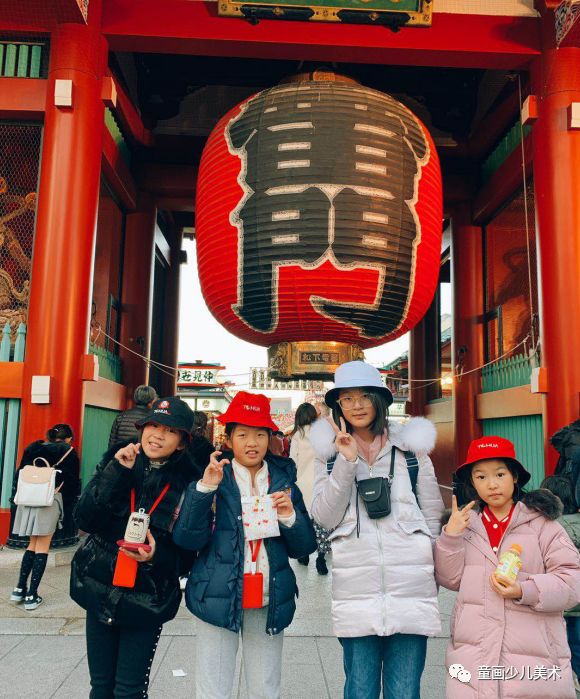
x=40, y=523
x=124, y=623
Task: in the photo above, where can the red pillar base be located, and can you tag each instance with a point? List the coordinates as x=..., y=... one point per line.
x=4, y=525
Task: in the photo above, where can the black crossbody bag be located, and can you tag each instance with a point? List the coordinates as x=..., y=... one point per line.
x=376, y=493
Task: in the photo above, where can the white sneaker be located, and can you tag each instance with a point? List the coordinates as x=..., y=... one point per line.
x=18, y=595
x=31, y=602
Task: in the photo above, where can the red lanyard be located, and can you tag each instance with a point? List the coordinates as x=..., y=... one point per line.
x=255, y=549
x=159, y=499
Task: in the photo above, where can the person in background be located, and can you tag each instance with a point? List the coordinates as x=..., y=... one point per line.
x=278, y=444
x=123, y=429
x=570, y=520
x=40, y=523
x=322, y=410
x=200, y=448
x=302, y=453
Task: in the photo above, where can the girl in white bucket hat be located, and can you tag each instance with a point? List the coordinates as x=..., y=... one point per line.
x=375, y=488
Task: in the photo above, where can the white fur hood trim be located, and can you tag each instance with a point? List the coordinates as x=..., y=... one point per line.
x=417, y=435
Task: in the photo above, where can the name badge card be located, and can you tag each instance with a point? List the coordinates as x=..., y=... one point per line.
x=259, y=517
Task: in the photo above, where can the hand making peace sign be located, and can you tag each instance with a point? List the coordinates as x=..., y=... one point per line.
x=345, y=443
x=214, y=471
x=459, y=518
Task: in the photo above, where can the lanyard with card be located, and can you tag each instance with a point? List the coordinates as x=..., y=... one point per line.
x=135, y=535
x=253, y=590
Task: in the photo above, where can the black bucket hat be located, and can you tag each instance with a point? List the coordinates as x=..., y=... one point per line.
x=171, y=412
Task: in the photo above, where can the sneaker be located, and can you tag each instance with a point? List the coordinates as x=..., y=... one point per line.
x=303, y=560
x=18, y=595
x=31, y=602
x=321, y=567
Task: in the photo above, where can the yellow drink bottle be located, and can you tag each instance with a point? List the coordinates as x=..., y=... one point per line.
x=510, y=563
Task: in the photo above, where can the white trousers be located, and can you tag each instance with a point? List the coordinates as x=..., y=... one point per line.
x=215, y=658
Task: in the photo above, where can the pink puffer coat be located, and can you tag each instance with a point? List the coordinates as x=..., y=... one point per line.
x=488, y=631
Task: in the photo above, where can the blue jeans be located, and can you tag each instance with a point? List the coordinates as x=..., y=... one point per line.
x=397, y=660
x=573, y=633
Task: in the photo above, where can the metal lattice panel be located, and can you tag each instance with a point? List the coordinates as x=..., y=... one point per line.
x=19, y=165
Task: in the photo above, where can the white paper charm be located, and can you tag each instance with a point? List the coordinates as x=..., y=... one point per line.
x=259, y=517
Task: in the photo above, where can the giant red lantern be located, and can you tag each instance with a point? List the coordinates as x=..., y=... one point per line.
x=318, y=222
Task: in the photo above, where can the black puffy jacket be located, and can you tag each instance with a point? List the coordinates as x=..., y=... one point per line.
x=69, y=467
x=214, y=588
x=103, y=511
x=123, y=429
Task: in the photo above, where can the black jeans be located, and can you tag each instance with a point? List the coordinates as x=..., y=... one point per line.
x=120, y=659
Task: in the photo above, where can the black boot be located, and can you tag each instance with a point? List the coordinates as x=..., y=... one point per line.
x=303, y=560
x=321, y=567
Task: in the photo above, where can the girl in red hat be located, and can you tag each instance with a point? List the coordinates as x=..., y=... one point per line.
x=242, y=583
x=507, y=639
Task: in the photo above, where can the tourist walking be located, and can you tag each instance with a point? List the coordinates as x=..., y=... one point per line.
x=302, y=453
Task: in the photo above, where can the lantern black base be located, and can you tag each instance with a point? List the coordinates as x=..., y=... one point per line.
x=309, y=360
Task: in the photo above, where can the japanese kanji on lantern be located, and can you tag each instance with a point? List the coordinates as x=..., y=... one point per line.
x=318, y=222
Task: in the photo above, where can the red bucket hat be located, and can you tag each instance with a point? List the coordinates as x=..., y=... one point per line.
x=251, y=409
x=494, y=448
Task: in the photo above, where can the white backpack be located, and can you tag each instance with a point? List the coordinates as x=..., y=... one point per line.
x=36, y=484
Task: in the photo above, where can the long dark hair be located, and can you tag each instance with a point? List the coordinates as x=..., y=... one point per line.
x=466, y=492
x=381, y=421
x=562, y=488
x=305, y=415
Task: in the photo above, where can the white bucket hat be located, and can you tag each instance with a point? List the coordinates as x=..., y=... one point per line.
x=357, y=374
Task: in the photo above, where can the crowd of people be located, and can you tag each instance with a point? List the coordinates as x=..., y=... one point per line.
x=165, y=504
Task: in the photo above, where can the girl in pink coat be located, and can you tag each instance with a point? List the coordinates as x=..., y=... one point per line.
x=508, y=640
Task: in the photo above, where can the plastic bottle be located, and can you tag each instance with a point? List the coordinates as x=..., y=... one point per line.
x=510, y=563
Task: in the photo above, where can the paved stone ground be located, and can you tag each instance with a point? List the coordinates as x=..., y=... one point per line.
x=51, y=640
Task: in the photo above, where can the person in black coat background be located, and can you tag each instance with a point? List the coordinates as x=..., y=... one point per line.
x=124, y=426
x=40, y=523
x=124, y=623
x=200, y=448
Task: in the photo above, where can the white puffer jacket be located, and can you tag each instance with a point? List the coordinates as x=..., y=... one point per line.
x=382, y=581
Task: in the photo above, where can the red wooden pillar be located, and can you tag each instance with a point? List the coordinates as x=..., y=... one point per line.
x=556, y=84
x=61, y=278
x=467, y=343
x=137, y=292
